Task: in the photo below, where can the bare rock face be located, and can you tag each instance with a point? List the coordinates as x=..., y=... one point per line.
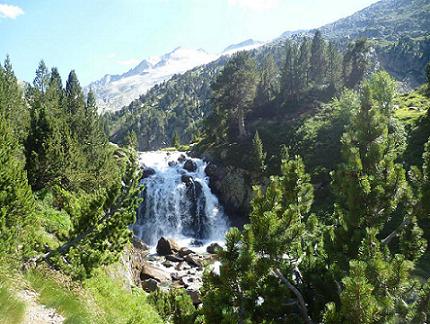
x=167, y=246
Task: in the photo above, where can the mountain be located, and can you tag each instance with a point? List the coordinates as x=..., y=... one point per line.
x=116, y=91
x=247, y=45
x=182, y=103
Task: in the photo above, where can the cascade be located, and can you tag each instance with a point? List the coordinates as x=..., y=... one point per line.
x=177, y=201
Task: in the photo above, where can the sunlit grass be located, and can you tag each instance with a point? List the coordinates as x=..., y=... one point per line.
x=55, y=295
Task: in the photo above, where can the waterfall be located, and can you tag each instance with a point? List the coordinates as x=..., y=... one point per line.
x=177, y=200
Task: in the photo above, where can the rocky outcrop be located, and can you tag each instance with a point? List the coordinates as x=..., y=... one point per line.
x=167, y=246
x=182, y=268
x=233, y=187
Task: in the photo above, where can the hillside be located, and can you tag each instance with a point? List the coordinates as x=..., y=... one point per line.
x=401, y=47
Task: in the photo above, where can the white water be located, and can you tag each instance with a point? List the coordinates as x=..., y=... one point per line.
x=174, y=209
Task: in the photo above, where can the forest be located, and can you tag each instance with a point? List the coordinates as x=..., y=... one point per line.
x=336, y=159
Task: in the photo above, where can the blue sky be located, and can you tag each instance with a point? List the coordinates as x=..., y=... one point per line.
x=96, y=37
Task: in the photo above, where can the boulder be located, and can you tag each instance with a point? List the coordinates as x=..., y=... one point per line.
x=213, y=248
x=195, y=296
x=185, y=251
x=190, y=166
x=193, y=261
x=172, y=163
x=150, y=285
x=182, y=158
x=150, y=272
x=167, y=246
x=188, y=180
x=174, y=258
x=147, y=172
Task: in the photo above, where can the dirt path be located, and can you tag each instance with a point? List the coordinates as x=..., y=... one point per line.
x=36, y=313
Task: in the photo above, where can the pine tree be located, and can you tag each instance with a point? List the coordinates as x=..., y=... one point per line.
x=370, y=184
x=290, y=73
x=259, y=156
x=268, y=87
x=235, y=90
x=12, y=103
x=304, y=63
x=318, y=66
x=16, y=198
x=75, y=105
x=356, y=63
x=334, y=67
x=255, y=279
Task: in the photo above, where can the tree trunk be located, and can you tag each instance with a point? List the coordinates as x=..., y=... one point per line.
x=241, y=120
x=299, y=296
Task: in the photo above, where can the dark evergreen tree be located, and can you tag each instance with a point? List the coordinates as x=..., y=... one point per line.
x=16, y=198
x=318, y=67
x=258, y=156
x=268, y=87
x=235, y=90
x=356, y=63
x=255, y=279
x=291, y=73
x=334, y=67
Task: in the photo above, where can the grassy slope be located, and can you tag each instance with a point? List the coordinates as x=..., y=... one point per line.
x=100, y=299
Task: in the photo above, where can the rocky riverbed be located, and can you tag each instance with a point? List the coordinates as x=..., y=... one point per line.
x=170, y=266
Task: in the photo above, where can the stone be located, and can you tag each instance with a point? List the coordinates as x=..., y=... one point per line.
x=174, y=258
x=150, y=285
x=167, y=264
x=195, y=296
x=175, y=276
x=182, y=158
x=167, y=246
x=150, y=272
x=182, y=266
x=188, y=180
x=139, y=244
x=213, y=248
x=147, y=172
x=185, y=251
x=172, y=163
x=190, y=166
x=193, y=261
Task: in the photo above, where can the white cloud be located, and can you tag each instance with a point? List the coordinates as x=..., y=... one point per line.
x=10, y=11
x=254, y=4
x=130, y=62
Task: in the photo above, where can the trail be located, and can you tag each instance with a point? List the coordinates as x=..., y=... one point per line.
x=36, y=313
